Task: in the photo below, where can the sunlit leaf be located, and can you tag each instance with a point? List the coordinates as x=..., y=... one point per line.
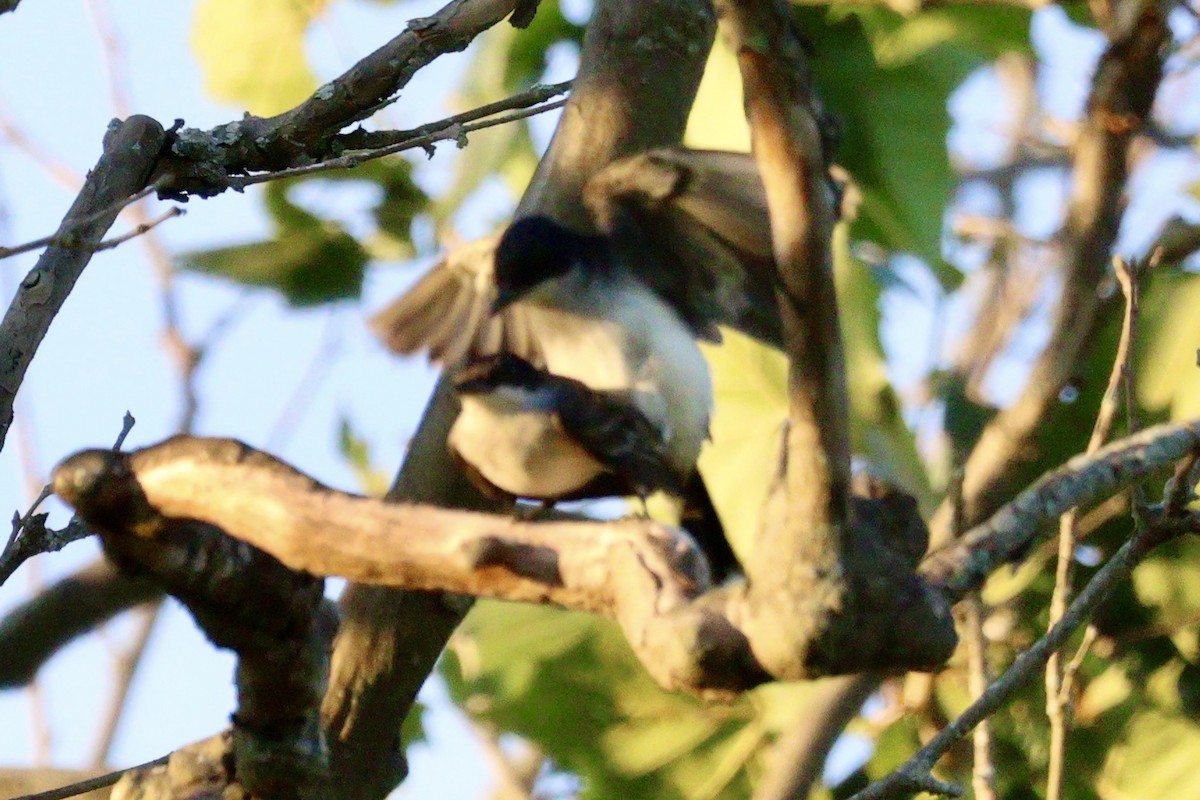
x=251, y=52
x=570, y=682
x=1157, y=758
x=887, y=78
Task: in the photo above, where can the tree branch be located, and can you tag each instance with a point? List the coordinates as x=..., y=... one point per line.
x=823, y=584
x=33, y=632
x=639, y=70
x=1013, y=530
x=914, y=774
x=201, y=162
x=130, y=151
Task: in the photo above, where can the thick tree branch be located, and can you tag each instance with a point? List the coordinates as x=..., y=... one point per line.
x=276, y=619
x=823, y=583
x=33, y=632
x=649, y=577
x=638, y=73
x=130, y=151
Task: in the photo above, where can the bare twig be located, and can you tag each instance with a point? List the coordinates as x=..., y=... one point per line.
x=319, y=366
x=914, y=774
x=1056, y=699
x=30, y=536
x=83, y=787
x=68, y=240
x=534, y=96
x=983, y=772
x=56, y=169
x=799, y=756
x=456, y=132
x=125, y=668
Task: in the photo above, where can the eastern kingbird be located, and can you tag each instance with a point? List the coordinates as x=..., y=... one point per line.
x=577, y=357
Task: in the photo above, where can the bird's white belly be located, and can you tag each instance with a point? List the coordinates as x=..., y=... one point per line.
x=635, y=342
x=525, y=453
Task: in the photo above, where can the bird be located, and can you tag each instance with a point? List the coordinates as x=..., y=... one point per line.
x=575, y=353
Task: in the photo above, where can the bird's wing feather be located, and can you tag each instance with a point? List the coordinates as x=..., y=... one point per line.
x=694, y=224
x=448, y=311
x=614, y=431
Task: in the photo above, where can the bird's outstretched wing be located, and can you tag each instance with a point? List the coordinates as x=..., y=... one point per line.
x=448, y=312
x=694, y=224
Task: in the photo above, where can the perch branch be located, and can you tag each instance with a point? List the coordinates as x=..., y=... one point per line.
x=649, y=577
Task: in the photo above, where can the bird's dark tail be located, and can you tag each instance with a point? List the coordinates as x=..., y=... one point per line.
x=700, y=519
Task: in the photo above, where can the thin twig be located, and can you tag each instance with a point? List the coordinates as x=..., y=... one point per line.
x=124, y=670
x=302, y=397
x=65, y=238
x=58, y=170
x=91, y=784
x=108, y=244
x=365, y=140
x=914, y=774
x=983, y=770
x=30, y=536
x=1057, y=699
x=352, y=159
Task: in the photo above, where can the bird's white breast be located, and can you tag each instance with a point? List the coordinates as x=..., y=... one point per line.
x=523, y=452
x=625, y=338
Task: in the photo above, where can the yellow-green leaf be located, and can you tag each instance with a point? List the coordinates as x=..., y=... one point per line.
x=251, y=52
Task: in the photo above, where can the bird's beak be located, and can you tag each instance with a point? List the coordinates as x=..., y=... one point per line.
x=504, y=298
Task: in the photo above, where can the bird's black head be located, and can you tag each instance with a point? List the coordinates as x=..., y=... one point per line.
x=534, y=250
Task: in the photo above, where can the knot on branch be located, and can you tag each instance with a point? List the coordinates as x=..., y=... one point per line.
x=277, y=620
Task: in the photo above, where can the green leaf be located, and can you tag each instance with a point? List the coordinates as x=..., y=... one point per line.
x=750, y=384
x=1168, y=380
x=887, y=79
x=310, y=261
x=357, y=452
x=399, y=203
x=251, y=52
x=570, y=683
x=1157, y=758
